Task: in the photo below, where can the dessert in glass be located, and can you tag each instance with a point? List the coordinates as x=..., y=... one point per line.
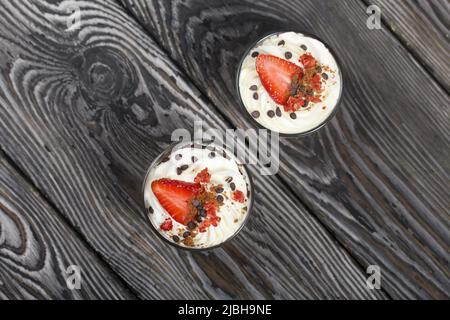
x=290, y=83
x=197, y=195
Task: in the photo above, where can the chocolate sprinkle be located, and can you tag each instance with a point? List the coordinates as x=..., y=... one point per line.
x=293, y=116
x=255, y=114
x=229, y=179
x=271, y=113
x=256, y=96
x=182, y=168
x=306, y=104
x=176, y=238
x=212, y=155
x=186, y=234
x=325, y=76
x=278, y=112
x=150, y=210
x=288, y=55
x=194, y=159
x=219, y=190
x=255, y=54
x=281, y=43
x=202, y=213
x=192, y=225
x=304, y=47
x=233, y=186
x=220, y=198
x=254, y=87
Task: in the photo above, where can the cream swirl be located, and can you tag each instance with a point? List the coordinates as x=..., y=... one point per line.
x=289, y=46
x=222, y=166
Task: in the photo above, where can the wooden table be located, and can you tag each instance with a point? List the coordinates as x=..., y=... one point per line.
x=84, y=112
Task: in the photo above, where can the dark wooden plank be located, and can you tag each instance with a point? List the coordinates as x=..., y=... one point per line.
x=84, y=114
x=424, y=26
x=377, y=175
x=37, y=247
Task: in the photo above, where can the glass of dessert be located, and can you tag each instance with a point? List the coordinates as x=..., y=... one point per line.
x=290, y=83
x=197, y=195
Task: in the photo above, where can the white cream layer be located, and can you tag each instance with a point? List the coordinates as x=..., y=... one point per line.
x=306, y=119
x=232, y=213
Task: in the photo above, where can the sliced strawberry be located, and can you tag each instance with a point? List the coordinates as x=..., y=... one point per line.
x=203, y=176
x=308, y=61
x=175, y=196
x=276, y=76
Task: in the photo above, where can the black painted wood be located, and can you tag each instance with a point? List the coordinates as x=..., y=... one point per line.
x=378, y=174
x=85, y=112
x=424, y=27
x=37, y=247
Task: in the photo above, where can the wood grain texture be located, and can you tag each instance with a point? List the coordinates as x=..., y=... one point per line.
x=378, y=174
x=37, y=247
x=424, y=26
x=85, y=113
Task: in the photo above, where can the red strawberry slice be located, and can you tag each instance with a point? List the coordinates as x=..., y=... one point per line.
x=175, y=196
x=276, y=76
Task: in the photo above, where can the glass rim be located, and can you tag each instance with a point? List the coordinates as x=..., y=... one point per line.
x=174, y=244
x=299, y=134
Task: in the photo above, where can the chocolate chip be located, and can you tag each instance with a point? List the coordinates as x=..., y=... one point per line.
x=224, y=154
x=182, y=168
x=198, y=218
x=254, y=87
x=212, y=155
x=219, y=190
x=256, y=96
x=178, y=157
x=270, y=113
x=325, y=76
x=281, y=43
x=150, y=210
x=194, y=159
x=306, y=104
x=176, y=238
x=293, y=116
x=233, y=186
x=288, y=55
x=319, y=69
x=294, y=89
x=229, y=179
x=191, y=225
x=255, y=114
x=255, y=54
x=278, y=112
x=304, y=47
x=195, y=203
x=220, y=198
x=186, y=234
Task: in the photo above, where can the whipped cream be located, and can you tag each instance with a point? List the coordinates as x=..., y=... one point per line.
x=224, y=170
x=289, y=46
